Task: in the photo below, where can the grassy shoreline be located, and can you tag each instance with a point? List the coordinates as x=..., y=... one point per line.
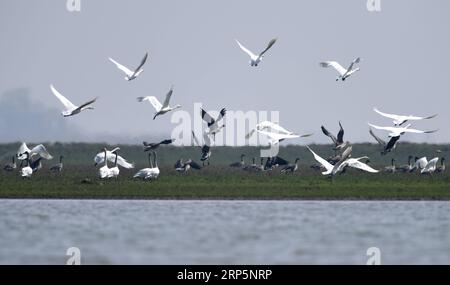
x=222, y=183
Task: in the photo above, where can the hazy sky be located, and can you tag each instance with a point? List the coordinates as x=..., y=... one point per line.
x=405, y=68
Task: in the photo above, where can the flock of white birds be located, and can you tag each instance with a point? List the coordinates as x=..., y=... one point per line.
x=274, y=132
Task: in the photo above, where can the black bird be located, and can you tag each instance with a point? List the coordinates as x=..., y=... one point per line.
x=387, y=147
x=291, y=168
x=57, y=167
x=213, y=124
x=240, y=163
x=181, y=166
x=11, y=166
x=339, y=140
x=153, y=146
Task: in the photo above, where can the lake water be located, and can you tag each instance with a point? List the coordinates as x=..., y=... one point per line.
x=223, y=232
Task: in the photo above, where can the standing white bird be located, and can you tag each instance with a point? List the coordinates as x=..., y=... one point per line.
x=71, y=109
x=430, y=167
x=24, y=152
x=100, y=158
x=400, y=119
x=114, y=172
x=213, y=124
x=398, y=131
x=344, y=73
x=160, y=108
x=104, y=171
x=255, y=59
x=130, y=75
x=149, y=173
x=27, y=171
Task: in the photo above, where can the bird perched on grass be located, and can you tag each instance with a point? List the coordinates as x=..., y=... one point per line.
x=57, y=168
x=291, y=168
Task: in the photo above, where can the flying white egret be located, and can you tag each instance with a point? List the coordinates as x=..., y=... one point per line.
x=255, y=59
x=71, y=109
x=130, y=75
x=344, y=73
x=160, y=108
x=400, y=119
x=274, y=132
x=398, y=131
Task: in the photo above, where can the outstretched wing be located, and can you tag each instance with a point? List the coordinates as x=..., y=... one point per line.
x=380, y=141
x=360, y=165
x=390, y=145
x=356, y=60
x=340, y=136
x=391, y=129
x=167, y=100
x=412, y=118
x=221, y=114
x=142, y=62
x=252, y=55
x=42, y=151
x=328, y=166
x=152, y=99
x=88, y=103
x=390, y=116
x=419, y=131
x=330, y=135
x=335, y=65
x=207, y=117
x=271, y=43
x=67, y=104
x=125, y=69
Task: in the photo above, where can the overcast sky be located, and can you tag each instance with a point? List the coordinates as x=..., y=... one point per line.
x=405, y=68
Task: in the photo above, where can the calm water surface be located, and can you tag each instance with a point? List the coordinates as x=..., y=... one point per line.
x=224, y=232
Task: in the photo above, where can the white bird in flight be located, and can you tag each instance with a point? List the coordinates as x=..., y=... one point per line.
x=398, y=131
x=100, y=158
x=71, y=109
x=24, y=152
x=344, y=73
x=400, y=119
x=255, y=59
x=130, y=74
x=344, y=162
x=274, y=132
x=213, y=123
x=160, y=108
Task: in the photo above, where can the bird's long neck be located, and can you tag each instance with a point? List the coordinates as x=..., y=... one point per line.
x=155, y=160
x=60, y=159
x=13, y=159
x=115, y=160
x=106, y=158
x=150, y=160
